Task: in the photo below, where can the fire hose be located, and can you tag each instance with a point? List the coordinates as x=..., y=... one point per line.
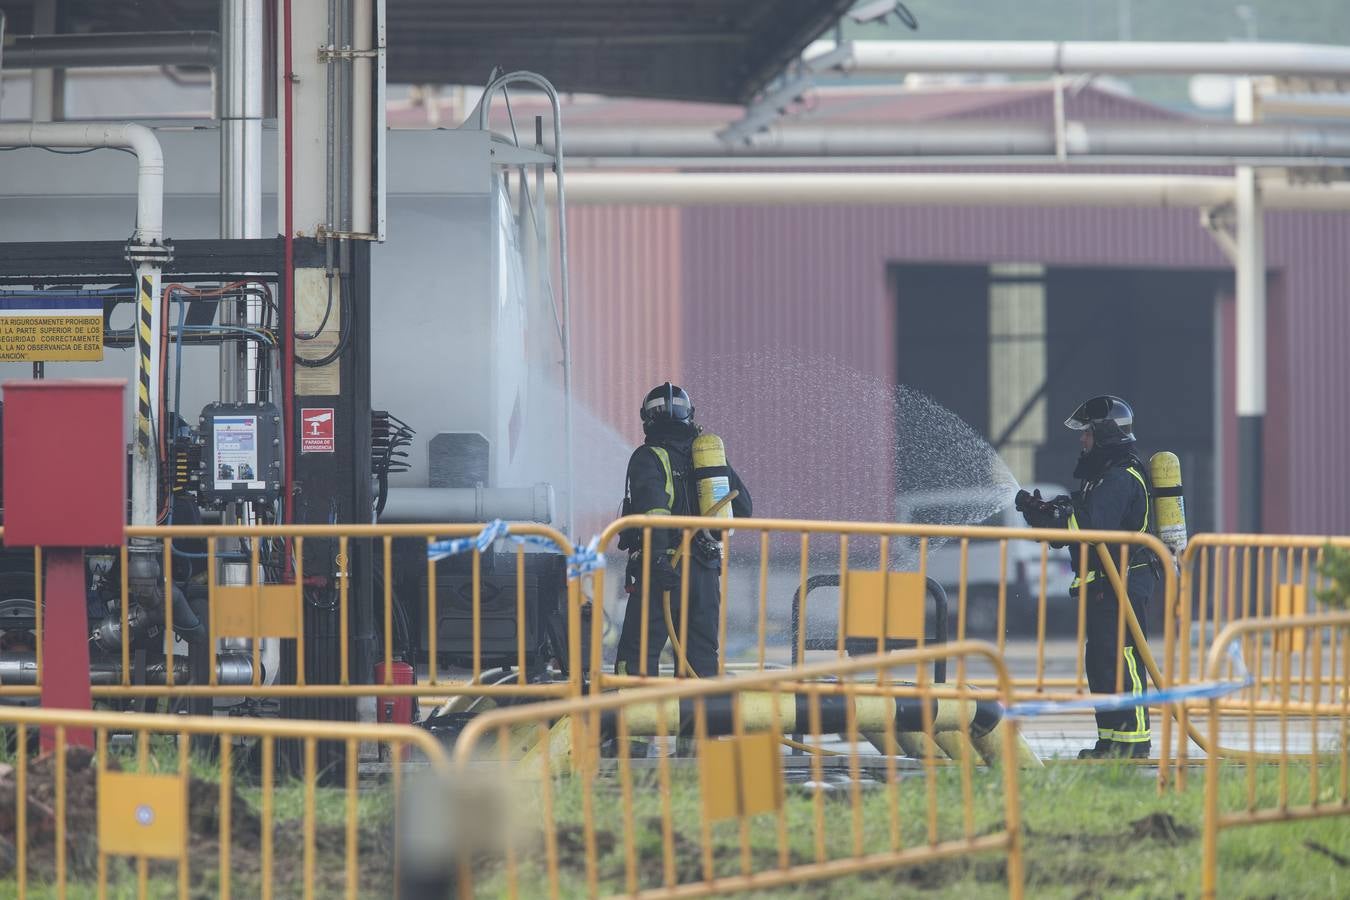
x=682, y=658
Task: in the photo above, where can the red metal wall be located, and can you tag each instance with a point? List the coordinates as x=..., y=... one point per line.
x=722, y=296
x=749, y=284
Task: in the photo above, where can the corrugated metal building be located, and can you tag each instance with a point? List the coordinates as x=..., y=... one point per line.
x=789, y=323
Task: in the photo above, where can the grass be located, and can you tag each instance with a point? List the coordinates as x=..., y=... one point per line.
x=375, y=809
x=1089, y=831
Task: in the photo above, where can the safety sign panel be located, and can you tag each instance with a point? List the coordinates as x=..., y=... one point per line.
x=51, y=329
x=316, y=431
x=236, y=443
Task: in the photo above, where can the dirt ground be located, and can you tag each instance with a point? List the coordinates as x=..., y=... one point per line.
x=375, y=842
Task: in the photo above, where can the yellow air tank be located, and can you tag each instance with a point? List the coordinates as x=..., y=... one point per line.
x=1169, y=508
x=712, y=477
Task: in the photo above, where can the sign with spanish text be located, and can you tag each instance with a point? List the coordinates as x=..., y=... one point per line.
x=51, y=329
x=317, y=434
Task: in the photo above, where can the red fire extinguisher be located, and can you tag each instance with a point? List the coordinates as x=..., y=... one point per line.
x=398, y=710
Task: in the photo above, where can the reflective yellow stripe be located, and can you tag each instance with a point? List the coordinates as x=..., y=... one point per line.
x=1073, y=518
x=1141, y=731
x=662, y=455
x=657, y=512
x=1143, y=484
x=1092, y=574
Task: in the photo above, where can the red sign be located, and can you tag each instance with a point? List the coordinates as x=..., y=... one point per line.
x=316, y=431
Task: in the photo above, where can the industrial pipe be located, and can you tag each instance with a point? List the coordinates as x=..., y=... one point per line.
x=1250, y=327
x=1315, y=144
x=232, y=669
x=121, y=136
x=242, y=24
x=1082, y=57
x=972, y=189
x=75, y=51
x=480, y=504
x=148, y=253
x=792, y=714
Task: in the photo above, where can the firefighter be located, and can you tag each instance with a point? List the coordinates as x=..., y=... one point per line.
x=661, y=483
x=1114, y=495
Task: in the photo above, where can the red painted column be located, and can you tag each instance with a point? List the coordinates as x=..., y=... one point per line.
x=65, y=643
x=64, y=489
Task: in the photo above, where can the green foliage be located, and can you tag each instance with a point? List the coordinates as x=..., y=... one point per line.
x=1088, y=831
x=1335, y=571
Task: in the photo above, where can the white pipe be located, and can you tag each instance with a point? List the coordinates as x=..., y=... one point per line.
x=149, y=237
x=480, y=504
x=1061, y=139
x=1251, y=274
x=241, y=82
x=121, y=136
x=1089, y=57
x=363, y=113
x=241, y=114
x=1251, y=326
x=973, y=189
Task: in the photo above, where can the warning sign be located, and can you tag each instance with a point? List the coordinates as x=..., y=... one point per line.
x=46, y=329
x=316, y=431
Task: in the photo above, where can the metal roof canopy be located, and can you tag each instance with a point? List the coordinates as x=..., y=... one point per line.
x=710, y=50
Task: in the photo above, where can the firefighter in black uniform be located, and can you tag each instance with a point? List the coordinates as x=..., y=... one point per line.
x=1114, y=495
x=661, y=483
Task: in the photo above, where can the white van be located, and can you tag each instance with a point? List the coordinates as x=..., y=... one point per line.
x=1022, y=573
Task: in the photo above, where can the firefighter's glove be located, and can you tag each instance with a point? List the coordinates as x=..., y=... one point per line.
x=664, y=576
x=1041, y=513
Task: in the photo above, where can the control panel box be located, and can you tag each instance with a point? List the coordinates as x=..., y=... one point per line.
x=241, y=454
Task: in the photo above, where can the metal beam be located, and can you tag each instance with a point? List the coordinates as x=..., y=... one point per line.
x=973, y=189
x=1088, y=57
x=96, y=260
x=974, y=139
x=85, y=51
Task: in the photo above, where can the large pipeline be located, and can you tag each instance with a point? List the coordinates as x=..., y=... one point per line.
x=480, y=504
x=232, y=669
x=791, y=713
x=186, y=623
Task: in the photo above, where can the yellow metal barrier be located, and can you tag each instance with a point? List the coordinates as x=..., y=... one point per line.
x=1308, y=740
x=143, y=812
x=594, y=820
x=769, y=559
x=1227, y=579
x=272, y=603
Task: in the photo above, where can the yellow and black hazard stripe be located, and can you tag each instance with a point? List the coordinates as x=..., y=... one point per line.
x=144, y=420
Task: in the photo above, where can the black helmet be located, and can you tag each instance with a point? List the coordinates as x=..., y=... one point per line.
x=1109, y=417
x=667, y=403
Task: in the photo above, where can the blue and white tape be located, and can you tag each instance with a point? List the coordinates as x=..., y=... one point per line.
x=583, y=562
x=586, y=560
x=480, y=542
x=1105, y=702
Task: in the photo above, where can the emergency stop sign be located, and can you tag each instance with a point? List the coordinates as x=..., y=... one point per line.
x=316, y=431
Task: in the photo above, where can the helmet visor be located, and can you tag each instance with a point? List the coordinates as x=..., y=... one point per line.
x=1094, y=410
x=670, y=406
